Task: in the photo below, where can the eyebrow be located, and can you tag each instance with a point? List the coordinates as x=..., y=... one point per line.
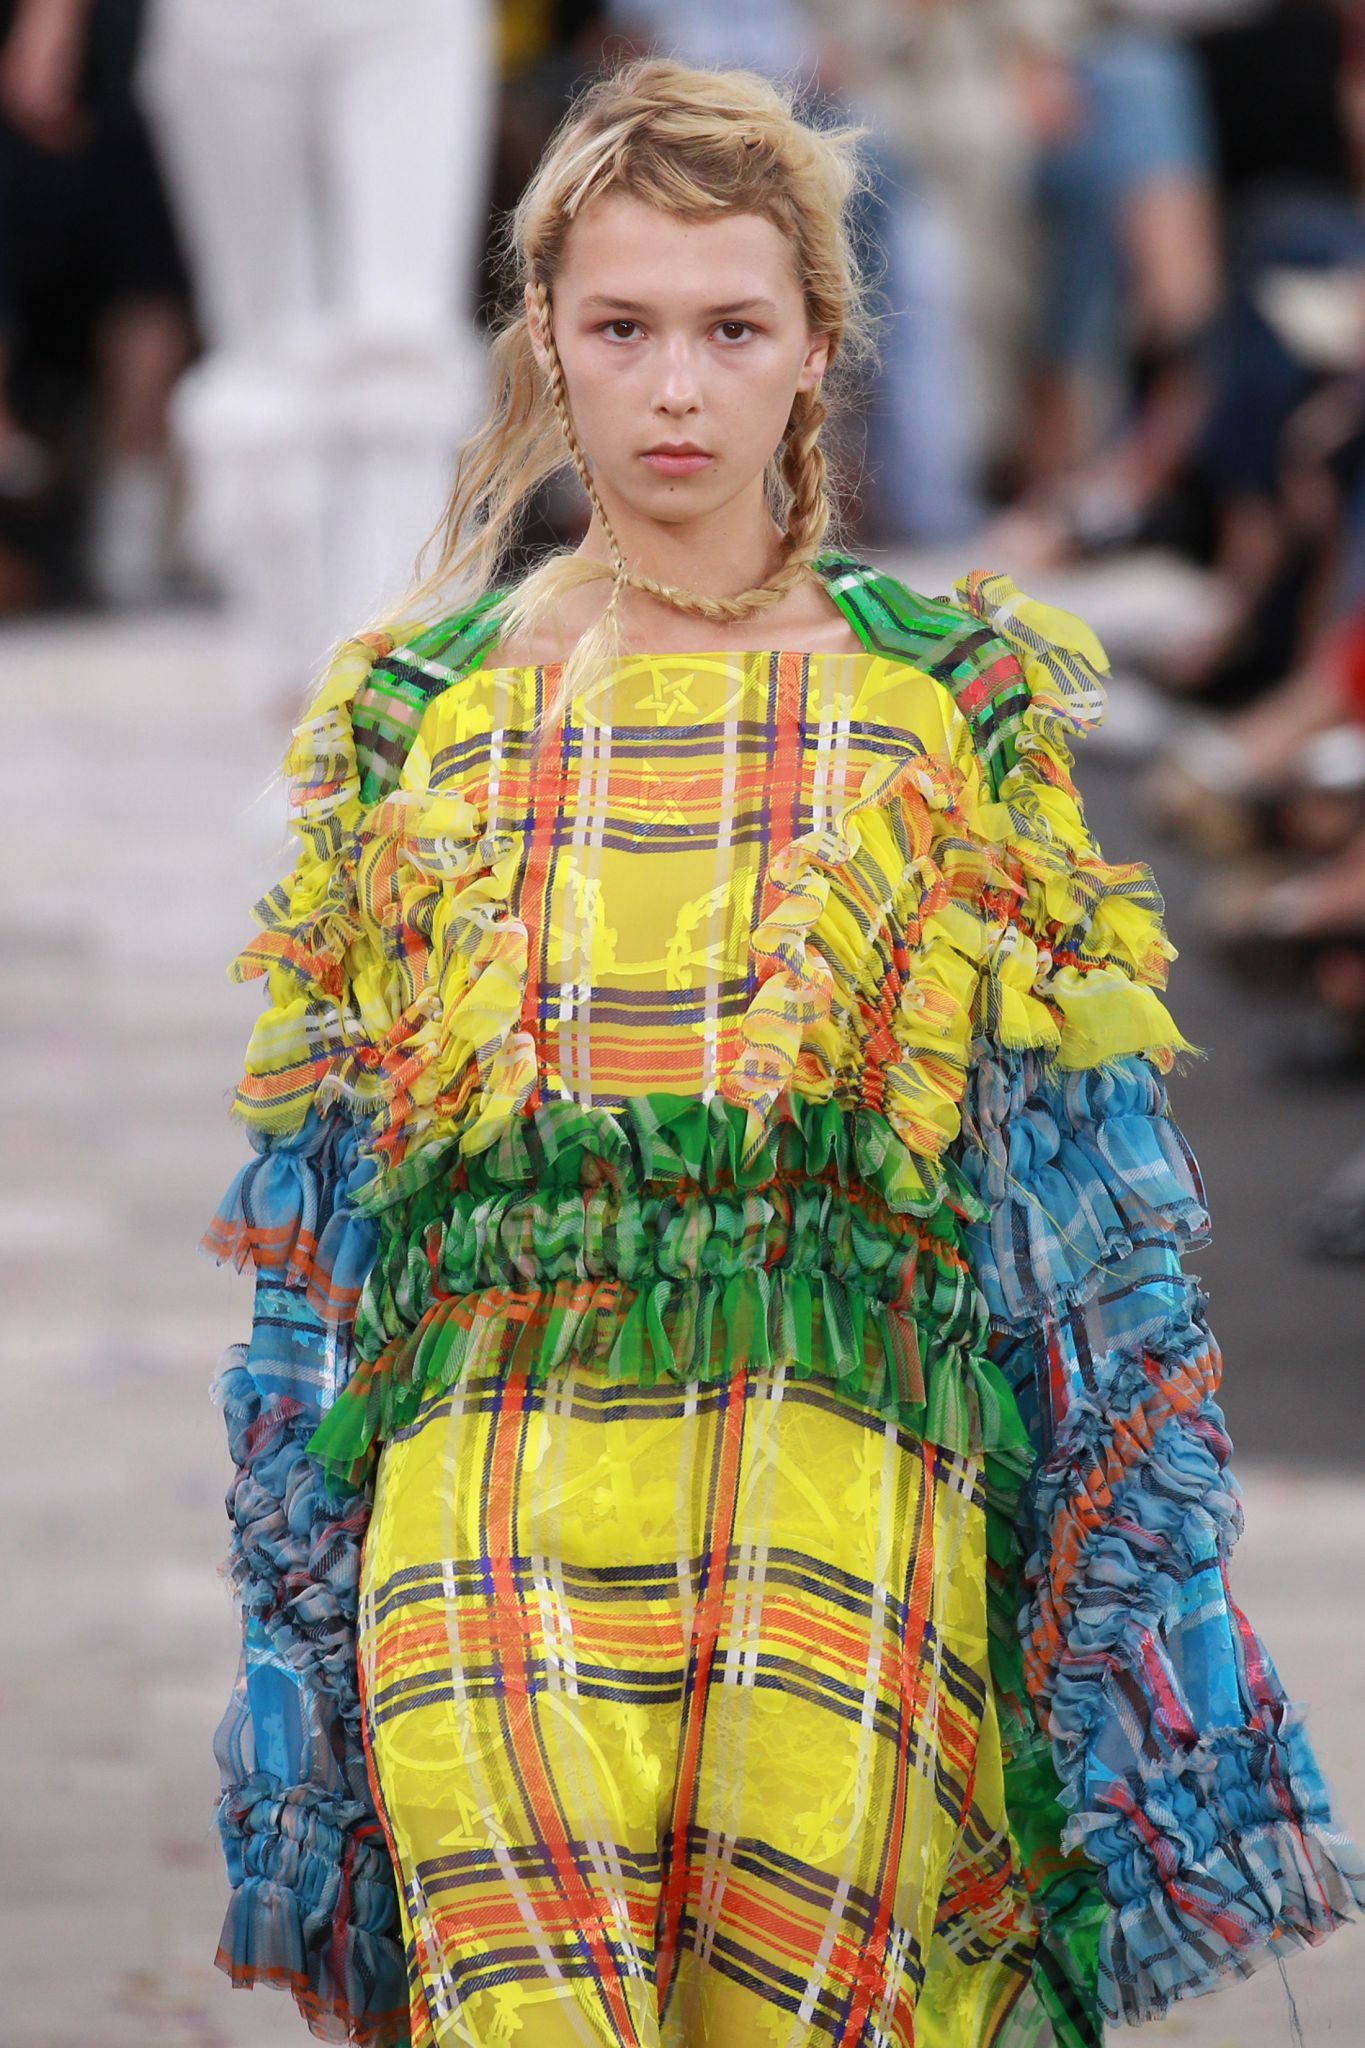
x=712, y=312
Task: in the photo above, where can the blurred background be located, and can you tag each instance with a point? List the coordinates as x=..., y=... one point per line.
x=248, y=259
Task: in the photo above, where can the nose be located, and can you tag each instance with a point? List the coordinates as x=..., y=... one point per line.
x=677, y=389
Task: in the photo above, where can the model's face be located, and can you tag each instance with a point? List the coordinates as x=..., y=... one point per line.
x=670, y=331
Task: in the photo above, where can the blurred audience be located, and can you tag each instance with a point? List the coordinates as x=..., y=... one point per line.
x=1265, y=771
x=95, y=325
x=1129, y=280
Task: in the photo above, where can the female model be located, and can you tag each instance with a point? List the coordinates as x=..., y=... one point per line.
x=731, y=1510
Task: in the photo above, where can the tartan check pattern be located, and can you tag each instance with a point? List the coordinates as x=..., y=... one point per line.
x=677, y=1709
x=679, y=1712
x=388, y=707
x=666, y=823
x=759, y=875
x=954, y=643
x=959, y=649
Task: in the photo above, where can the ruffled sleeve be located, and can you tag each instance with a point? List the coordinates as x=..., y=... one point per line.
x=1185, y=1774
x=313, y=1905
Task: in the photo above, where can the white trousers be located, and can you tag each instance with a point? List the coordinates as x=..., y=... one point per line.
x=329, y=161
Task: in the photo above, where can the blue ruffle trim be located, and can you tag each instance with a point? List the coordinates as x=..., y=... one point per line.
x=313, y=1909
x=294, y=1553
x=1078, y=1169
x=314, y=1906
x=1186, y=1773
x=291, y=1212
x=1230, y=1859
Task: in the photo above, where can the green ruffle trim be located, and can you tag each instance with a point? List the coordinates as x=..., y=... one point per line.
x=1064, y=1887
x=668, y=1139
x=638, y=1242
x=458, y=1240
x=898, y=1362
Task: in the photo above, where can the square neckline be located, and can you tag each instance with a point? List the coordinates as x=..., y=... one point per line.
x=693, y=655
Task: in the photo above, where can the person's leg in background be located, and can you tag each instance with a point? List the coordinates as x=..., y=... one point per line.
x=231, y=96
x=231, y=92
x=922, y=459
x=96, y=304
x=407, y=136
x=1134, y=282
x=144, y=335
x=332, y=159
x=26, y=470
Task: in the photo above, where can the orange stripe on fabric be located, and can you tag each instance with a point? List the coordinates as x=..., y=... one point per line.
x=662, y=1058
x=784, y=778
x=513, y=1627
x=786, y=1623
x=411, y=1640
x=705, y=1629
x=544, y=801
x=417, y=2012
x=748, y=1911
x=1092, y=1498
x=867, y=1976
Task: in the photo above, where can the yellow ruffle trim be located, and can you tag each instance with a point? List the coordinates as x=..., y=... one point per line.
x=1103, y=947
x=835, y=1011
x=394, y=968
x=322, y=967
x=997, y=917
x=925, y=914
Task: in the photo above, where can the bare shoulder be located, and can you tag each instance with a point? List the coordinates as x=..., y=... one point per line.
x=517, y=651
x=507, y=654
x=553, y=638
x=812, y=623
x=833, y=636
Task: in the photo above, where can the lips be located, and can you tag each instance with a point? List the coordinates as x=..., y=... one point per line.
x=682, y=448
x=676, y=461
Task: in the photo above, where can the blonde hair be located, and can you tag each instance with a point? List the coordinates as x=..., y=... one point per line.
x=698, y=144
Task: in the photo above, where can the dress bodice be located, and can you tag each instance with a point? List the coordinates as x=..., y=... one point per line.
x=653, y=843
x=654, y=1014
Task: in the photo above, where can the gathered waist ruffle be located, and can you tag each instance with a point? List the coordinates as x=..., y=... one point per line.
x=463, y=1243
x=661, y=1140
x=920, y=1362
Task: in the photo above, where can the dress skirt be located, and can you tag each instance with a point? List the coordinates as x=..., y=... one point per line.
x=679, y=1719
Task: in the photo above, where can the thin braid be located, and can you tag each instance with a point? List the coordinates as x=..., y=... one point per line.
x=803, y=467
x=559, y=399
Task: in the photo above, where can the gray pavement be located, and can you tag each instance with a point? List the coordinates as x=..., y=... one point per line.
x=1292, y=1328
x=139, y=837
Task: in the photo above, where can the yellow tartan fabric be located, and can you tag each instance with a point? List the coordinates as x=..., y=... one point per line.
x=755, y=876
x=743, y=1145
x=677, y=1696
x=679, y=1713
x=685, y=828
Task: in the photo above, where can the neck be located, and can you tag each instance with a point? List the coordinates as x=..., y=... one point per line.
x=733, y=549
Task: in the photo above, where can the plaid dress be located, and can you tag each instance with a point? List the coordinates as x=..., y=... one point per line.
x=731, y=1507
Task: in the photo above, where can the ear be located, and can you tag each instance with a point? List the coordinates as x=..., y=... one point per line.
x=817, y=360
x=533, y=324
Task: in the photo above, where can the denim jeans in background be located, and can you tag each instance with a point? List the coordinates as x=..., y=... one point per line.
x=922, y=457
x=1145, y=119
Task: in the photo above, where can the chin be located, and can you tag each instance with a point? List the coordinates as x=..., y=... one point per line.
x=669, y=506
